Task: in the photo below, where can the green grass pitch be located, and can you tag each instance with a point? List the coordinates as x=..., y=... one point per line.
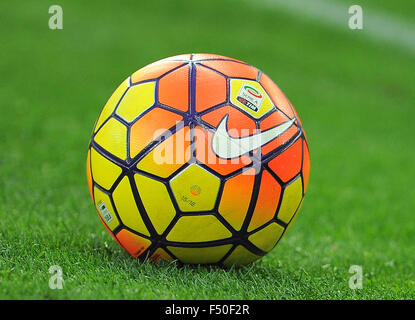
x=355, y=98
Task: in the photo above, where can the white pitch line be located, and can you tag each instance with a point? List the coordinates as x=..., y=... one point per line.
x=382, y=27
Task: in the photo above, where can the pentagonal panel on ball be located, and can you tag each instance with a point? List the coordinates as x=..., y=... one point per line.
x=156, y=201
x=154, y=70
x=113, y=138
x=277, y=96
x=267, y=201
x=137, y=100
x=174, y=89
x=198, y=228
x=288, y=164
x=239, y=187
x=292, y=196
x=104, y=171
x=266, y=238
x=240, y=256
x=210, y=88
x=169, y=155
x=250, y=97
x=149, y=127
x=195, y=189
x=127, y=208
x=133, y=243
x=232, y=69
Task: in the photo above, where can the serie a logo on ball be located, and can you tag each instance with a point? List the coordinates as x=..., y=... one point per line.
x=198, y=158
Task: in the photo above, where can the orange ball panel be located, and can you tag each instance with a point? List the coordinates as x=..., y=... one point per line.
x=276, y=95
x=267, y=202
x=306, y=165
x=288, y=164
x=159, y=255
x=274, y=119
x=174, y=89
x=210, y=88
x=149, y=126
x=233, y=69
x=132, y=243
x=278, y=142
x=154, y=70
x=236, y=198
x=239, y=124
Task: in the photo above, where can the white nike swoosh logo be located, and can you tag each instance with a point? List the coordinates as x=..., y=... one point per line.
x=229, y=147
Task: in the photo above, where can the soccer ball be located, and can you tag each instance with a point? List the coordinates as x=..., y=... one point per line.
x=198, y=158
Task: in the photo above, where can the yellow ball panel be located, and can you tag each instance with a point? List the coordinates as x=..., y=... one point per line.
x=156, y=201
x=295, y=216
x=241, y=88
x=105, y=209
x=104, y=171
x=127, y=209
x=169, y=155
x=137, y=99
x=200, y=255
x=198, y=229
x=266, y=238
x=195, y=189
x=111, y=104
x=113, y=138
x=89, y=174
x=240, y=256
x=292, y=196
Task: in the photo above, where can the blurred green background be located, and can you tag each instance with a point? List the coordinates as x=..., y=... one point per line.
x=354, y=95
